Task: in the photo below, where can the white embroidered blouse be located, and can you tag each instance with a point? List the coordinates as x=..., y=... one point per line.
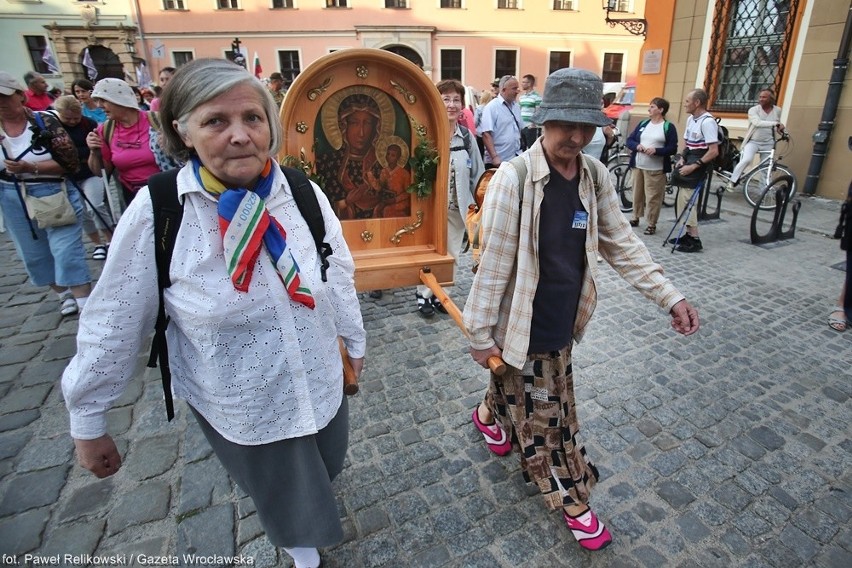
x=258, y=366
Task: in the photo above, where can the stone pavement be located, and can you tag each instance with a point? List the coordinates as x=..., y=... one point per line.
x=728, y=448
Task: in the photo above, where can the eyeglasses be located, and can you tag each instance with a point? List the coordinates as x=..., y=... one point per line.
x=452, y=101
x=128, y=145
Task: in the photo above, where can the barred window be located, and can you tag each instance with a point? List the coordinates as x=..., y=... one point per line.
x=750, y=45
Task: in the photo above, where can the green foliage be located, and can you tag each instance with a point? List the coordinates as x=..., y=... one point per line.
x=301, y=163
x=424, y=164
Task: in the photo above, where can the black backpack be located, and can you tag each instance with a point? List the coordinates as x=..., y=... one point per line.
x=726, y=158
x=168, y=213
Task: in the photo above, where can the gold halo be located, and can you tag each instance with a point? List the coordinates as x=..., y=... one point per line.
x=382, y=150
x=331, y=107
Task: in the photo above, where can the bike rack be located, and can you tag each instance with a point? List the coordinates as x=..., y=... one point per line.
x=782, y=200
x=704, y=197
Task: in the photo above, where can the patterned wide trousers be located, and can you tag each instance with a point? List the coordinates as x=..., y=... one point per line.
x=535, y=406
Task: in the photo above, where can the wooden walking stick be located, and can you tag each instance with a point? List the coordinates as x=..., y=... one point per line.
x=350, y=381
x=496, y=364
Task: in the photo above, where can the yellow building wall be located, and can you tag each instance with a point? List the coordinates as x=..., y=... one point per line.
x=824, y=32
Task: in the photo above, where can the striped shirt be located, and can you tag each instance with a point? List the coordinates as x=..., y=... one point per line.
x=499, y=307
x=700, y=132
x=529, y=104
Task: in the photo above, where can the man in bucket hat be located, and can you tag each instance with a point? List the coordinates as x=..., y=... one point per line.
x=546, y=215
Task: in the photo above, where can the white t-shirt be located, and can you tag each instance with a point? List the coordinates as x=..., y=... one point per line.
x=653, y=136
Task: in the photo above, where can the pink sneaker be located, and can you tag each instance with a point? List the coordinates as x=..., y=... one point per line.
x=496, y=439
x=588, y=530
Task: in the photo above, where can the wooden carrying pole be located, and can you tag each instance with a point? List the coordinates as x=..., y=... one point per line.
x=350, y=381
x=496, y=364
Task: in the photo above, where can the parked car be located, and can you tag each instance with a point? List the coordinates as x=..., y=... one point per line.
x=623, y=101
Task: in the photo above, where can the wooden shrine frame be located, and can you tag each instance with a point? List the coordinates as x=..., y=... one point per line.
x=347, y=119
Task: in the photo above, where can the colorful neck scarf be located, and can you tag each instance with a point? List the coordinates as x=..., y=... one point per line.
x=246, y=225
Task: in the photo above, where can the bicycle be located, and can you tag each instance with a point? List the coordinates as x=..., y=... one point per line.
x=621, y=176
x=764, y=174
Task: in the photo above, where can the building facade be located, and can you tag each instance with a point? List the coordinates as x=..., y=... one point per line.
x=471, y=40
x=732, y=49
x=68, y=27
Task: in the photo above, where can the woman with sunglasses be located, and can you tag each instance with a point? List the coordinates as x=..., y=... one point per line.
x=128, y=149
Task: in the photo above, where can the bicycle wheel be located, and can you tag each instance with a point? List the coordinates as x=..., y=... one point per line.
x=755, y=184
x=670, y=193
x=622, y=180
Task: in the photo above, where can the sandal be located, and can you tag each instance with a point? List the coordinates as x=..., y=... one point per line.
x=100, y=253
x=590, y=533
x=835, y=323
x=650, y=229
x=634, y=222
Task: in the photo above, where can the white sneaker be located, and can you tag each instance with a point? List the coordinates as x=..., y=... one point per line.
x=731, y=187
x=69, y=307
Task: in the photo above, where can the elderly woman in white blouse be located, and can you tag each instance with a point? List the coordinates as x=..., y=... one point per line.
x=248, y=354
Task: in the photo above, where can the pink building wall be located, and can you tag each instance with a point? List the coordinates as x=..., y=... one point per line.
x=313, y=30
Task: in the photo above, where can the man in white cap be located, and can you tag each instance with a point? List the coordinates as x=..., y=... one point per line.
x=546, y=215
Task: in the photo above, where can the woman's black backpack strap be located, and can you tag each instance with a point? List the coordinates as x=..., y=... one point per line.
x=306, y=201
x=168, y=212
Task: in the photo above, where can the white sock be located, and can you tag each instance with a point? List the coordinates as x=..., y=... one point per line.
x=81, y=302
x=304, y=557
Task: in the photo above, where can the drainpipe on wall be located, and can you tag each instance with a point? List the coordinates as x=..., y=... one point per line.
x=136, y=11
x=829, y=111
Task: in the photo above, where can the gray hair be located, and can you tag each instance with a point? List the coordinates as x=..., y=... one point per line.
x=503, y=80
x=68, y=103
x=198, y=82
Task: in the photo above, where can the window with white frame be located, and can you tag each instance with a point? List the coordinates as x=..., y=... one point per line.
x=558, y=60
x=505, y=62
x=396, y=3
x=451, y=64
x=182, y=57
x=564, y=4
x=288, y=64
x=282, y=3
x=621, y=5
x=613, y=67
x=749, y=51
x=508, y=4
x=451, y=3
x=36, y=46
x=336, y=3
x=173, y=5
x=229, y=4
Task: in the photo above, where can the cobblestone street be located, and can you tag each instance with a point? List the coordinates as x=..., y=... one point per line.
x=728, y=448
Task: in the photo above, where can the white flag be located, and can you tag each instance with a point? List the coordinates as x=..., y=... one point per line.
x=49, y=60
x=143, y=78
x=91, y=70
